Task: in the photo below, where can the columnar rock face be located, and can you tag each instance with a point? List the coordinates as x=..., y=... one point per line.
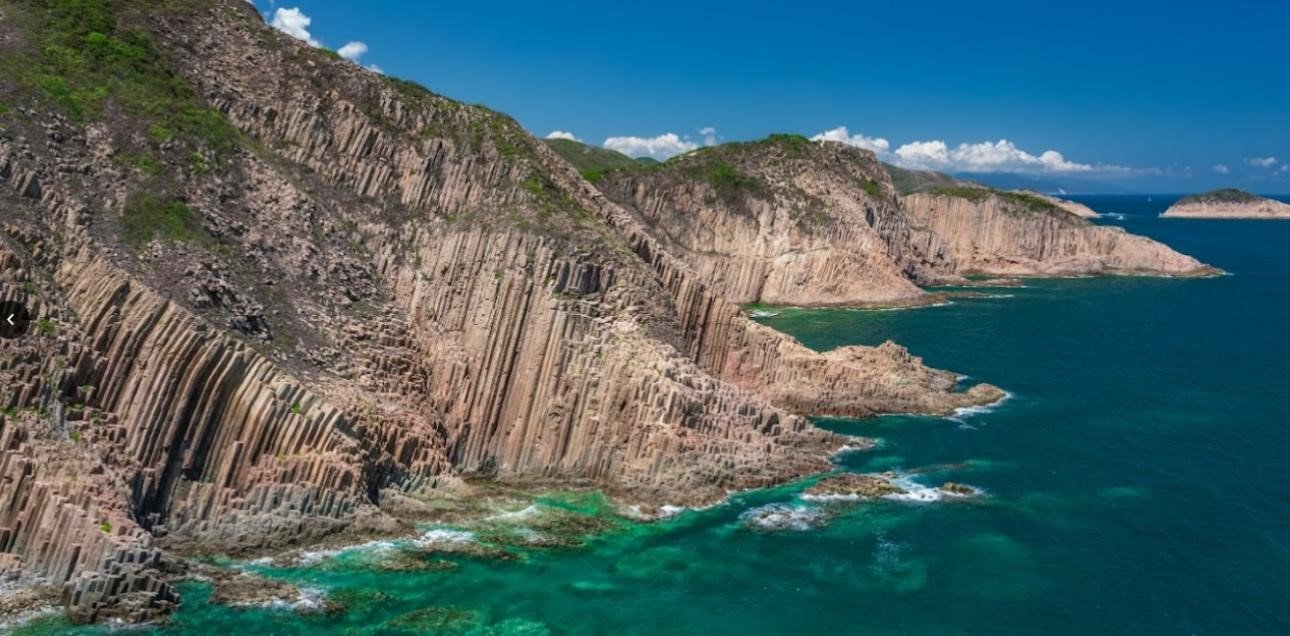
x=1000, y=235
x=1228, y=204
x=337, y=285
x=789, y=221
x=1074, y=207
x=781, y=221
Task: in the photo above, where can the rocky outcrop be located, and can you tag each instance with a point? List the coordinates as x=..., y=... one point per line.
x=1227, y=204
x=789, y=221
x=779, y=221
x=340, y=288
x=997, y=234
x=1074, y=207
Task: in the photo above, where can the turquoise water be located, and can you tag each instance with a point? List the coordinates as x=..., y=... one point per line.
x=1136, y=484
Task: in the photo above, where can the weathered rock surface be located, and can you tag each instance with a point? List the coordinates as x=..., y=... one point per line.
x=361, y=292
x=779, y=221
x=853, y=485
x=1074, y=207
x=998, y=236
x=789, y=221
x=1228, y=204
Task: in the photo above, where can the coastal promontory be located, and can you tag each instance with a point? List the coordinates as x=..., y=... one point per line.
x=1228, y=203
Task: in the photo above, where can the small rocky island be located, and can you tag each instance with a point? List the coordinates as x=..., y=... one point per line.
x=1228, y=203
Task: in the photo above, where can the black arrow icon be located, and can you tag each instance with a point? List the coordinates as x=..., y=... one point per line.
x=17, y=320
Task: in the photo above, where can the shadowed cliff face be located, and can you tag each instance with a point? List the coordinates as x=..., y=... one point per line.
x=275, y=288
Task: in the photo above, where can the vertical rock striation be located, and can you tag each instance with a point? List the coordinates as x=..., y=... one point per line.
x=360, y=287
x=1017, y=235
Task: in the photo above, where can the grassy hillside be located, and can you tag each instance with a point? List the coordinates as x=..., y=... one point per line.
x=911, y=181
x=591, y=161
x=1225, y=195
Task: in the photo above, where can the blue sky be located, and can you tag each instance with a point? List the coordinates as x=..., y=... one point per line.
x=1190, y=97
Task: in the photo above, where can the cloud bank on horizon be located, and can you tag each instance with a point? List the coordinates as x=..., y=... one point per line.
x=985, y=156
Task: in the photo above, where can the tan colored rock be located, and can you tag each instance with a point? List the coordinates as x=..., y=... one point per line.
x=387, y=292
x=1228, y=204
x=780, y=221
x=1074, y=207
x=853, y=485
x=1000, y=237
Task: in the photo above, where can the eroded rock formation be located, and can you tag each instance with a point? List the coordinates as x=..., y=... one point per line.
x=789, y=221
x=780, y=221
x=296, y=287
x=1008, y=234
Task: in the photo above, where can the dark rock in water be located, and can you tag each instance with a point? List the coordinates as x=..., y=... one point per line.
x=855, y=485
x=433, y=620
x=958, y=489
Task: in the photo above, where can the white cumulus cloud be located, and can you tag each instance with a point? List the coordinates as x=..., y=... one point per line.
x=294, y=23
x=710, y=137
x=352, y=51
x=561, y=134
x=1222, y=169
x=1262, y=162
x=842, y=135
x=661, y=147
x=986, y=156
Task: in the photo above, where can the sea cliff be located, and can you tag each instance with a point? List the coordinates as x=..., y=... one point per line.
x=276, y=291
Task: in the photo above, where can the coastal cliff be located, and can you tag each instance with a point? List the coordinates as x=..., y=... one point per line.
x=967, y=230
x=274, y=290
x=779, y=221
x=1227, y=204
x=789, y=221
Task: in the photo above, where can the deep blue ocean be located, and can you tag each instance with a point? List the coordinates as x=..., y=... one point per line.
x=1137, y=482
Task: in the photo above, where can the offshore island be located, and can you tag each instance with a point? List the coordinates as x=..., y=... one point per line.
x=281, y=299
x=1228, y=203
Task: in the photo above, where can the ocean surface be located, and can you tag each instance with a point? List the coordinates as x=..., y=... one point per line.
x=1137, y=482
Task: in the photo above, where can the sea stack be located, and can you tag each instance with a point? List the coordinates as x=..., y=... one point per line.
x=1228, y=203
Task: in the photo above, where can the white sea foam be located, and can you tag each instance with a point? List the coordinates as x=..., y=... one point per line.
x=443, y=538
x=763, y=313
x=16, y=620
x=779, y=516
x=517, y=515
x=308, y=599
x=963, y=412
x=827, y=498
x=847, y=449
x=946, y=303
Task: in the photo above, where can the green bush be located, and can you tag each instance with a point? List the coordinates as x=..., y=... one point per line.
x=148, y=216
x=871, y=188
x=86, y=59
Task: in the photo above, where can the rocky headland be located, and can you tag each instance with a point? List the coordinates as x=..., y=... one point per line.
x=280, y=298
x=789, y=221
x=1228, y=203
x=969, y=230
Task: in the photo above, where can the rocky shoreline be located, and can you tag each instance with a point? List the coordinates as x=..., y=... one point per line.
x=342, y=297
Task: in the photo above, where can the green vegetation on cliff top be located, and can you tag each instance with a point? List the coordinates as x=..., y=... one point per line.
x=591, y=161
x=1225, y=195
x=977, y=194
x=87, y=59
x=911, y=181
